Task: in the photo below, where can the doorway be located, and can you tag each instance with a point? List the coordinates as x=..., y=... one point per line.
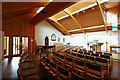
x=6, y=46
x=16, y=46
x=24, y=44
x=20, y=45
x=46, y=41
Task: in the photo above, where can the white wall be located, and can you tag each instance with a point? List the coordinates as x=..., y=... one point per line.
x=102, y=36
x=44, y=29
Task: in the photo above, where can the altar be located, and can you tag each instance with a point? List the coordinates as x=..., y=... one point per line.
x=95, y=45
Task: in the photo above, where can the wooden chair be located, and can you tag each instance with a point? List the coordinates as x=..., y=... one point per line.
x=62, y=58
x=27, y=73
x=104, y=63
x=94, y=71
x=106, y=53
x=75, y=76
x=90, y=58
x=87, y=53
x=81, y=56
x=53, y=69
x=73, y=54
x=69, y=60
x=94, y=54
x=63, y=73
x=99, y=53
x=79, y=64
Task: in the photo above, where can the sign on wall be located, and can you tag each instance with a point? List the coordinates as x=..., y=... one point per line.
x=114, y=23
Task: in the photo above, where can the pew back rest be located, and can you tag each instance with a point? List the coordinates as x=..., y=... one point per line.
x=94, y=67
x=74, y=54
x=81, y=63
x=105, y=56
x=81, y=55
x=69, y=59
x=62, y=70
x=101, y=60
x=89, y=57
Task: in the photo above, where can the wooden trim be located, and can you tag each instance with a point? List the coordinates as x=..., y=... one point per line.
x=88, y=28
x=68, y=12
x=102, y=14
x=51, y=18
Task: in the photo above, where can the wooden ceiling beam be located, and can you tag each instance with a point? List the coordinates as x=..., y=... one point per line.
x=102, y=14
x=92, y=27
x=68, y=12
x=104, y=7
x=51, y=18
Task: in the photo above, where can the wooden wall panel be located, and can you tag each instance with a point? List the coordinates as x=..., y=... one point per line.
x=15, y=28
x=23, y=26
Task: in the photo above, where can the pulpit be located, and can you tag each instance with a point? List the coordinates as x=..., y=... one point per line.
x=97, y=47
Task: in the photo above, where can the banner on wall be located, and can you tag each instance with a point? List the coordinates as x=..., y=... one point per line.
x=114, y=23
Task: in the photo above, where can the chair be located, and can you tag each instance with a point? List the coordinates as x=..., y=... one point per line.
x=79, y=64
x=62, y=58
x=105, y=56
x=73, y=54
x=81, y=56
x=95, y=54
x=99, y=53
x=75, y=76
x=87, y=53
x=53, y=69
x=95, y=71
x=63, y=73
x=69, y=61
x=90, y=58
x=81, y=52
x=104, y=63
x=106, y=53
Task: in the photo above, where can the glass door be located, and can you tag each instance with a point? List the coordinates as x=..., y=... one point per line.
x=16, y=46
x=24, y=44
x=6, y=46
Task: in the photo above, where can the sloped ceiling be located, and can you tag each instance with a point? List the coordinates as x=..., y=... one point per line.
x=90, y=19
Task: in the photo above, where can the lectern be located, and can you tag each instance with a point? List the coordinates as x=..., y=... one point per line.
x=97, y=47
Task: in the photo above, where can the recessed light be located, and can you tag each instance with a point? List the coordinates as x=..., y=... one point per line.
x=40, y=9
x=51, y=0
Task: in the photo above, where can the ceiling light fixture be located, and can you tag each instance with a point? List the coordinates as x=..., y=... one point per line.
x=51, y=0
x=40, y=9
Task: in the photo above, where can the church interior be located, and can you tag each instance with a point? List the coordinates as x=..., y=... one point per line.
x=60, y=40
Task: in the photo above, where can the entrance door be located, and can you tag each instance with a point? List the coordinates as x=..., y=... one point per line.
x=6, y=46
x=17, y=43
x=24, y=44
x=16, y=46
